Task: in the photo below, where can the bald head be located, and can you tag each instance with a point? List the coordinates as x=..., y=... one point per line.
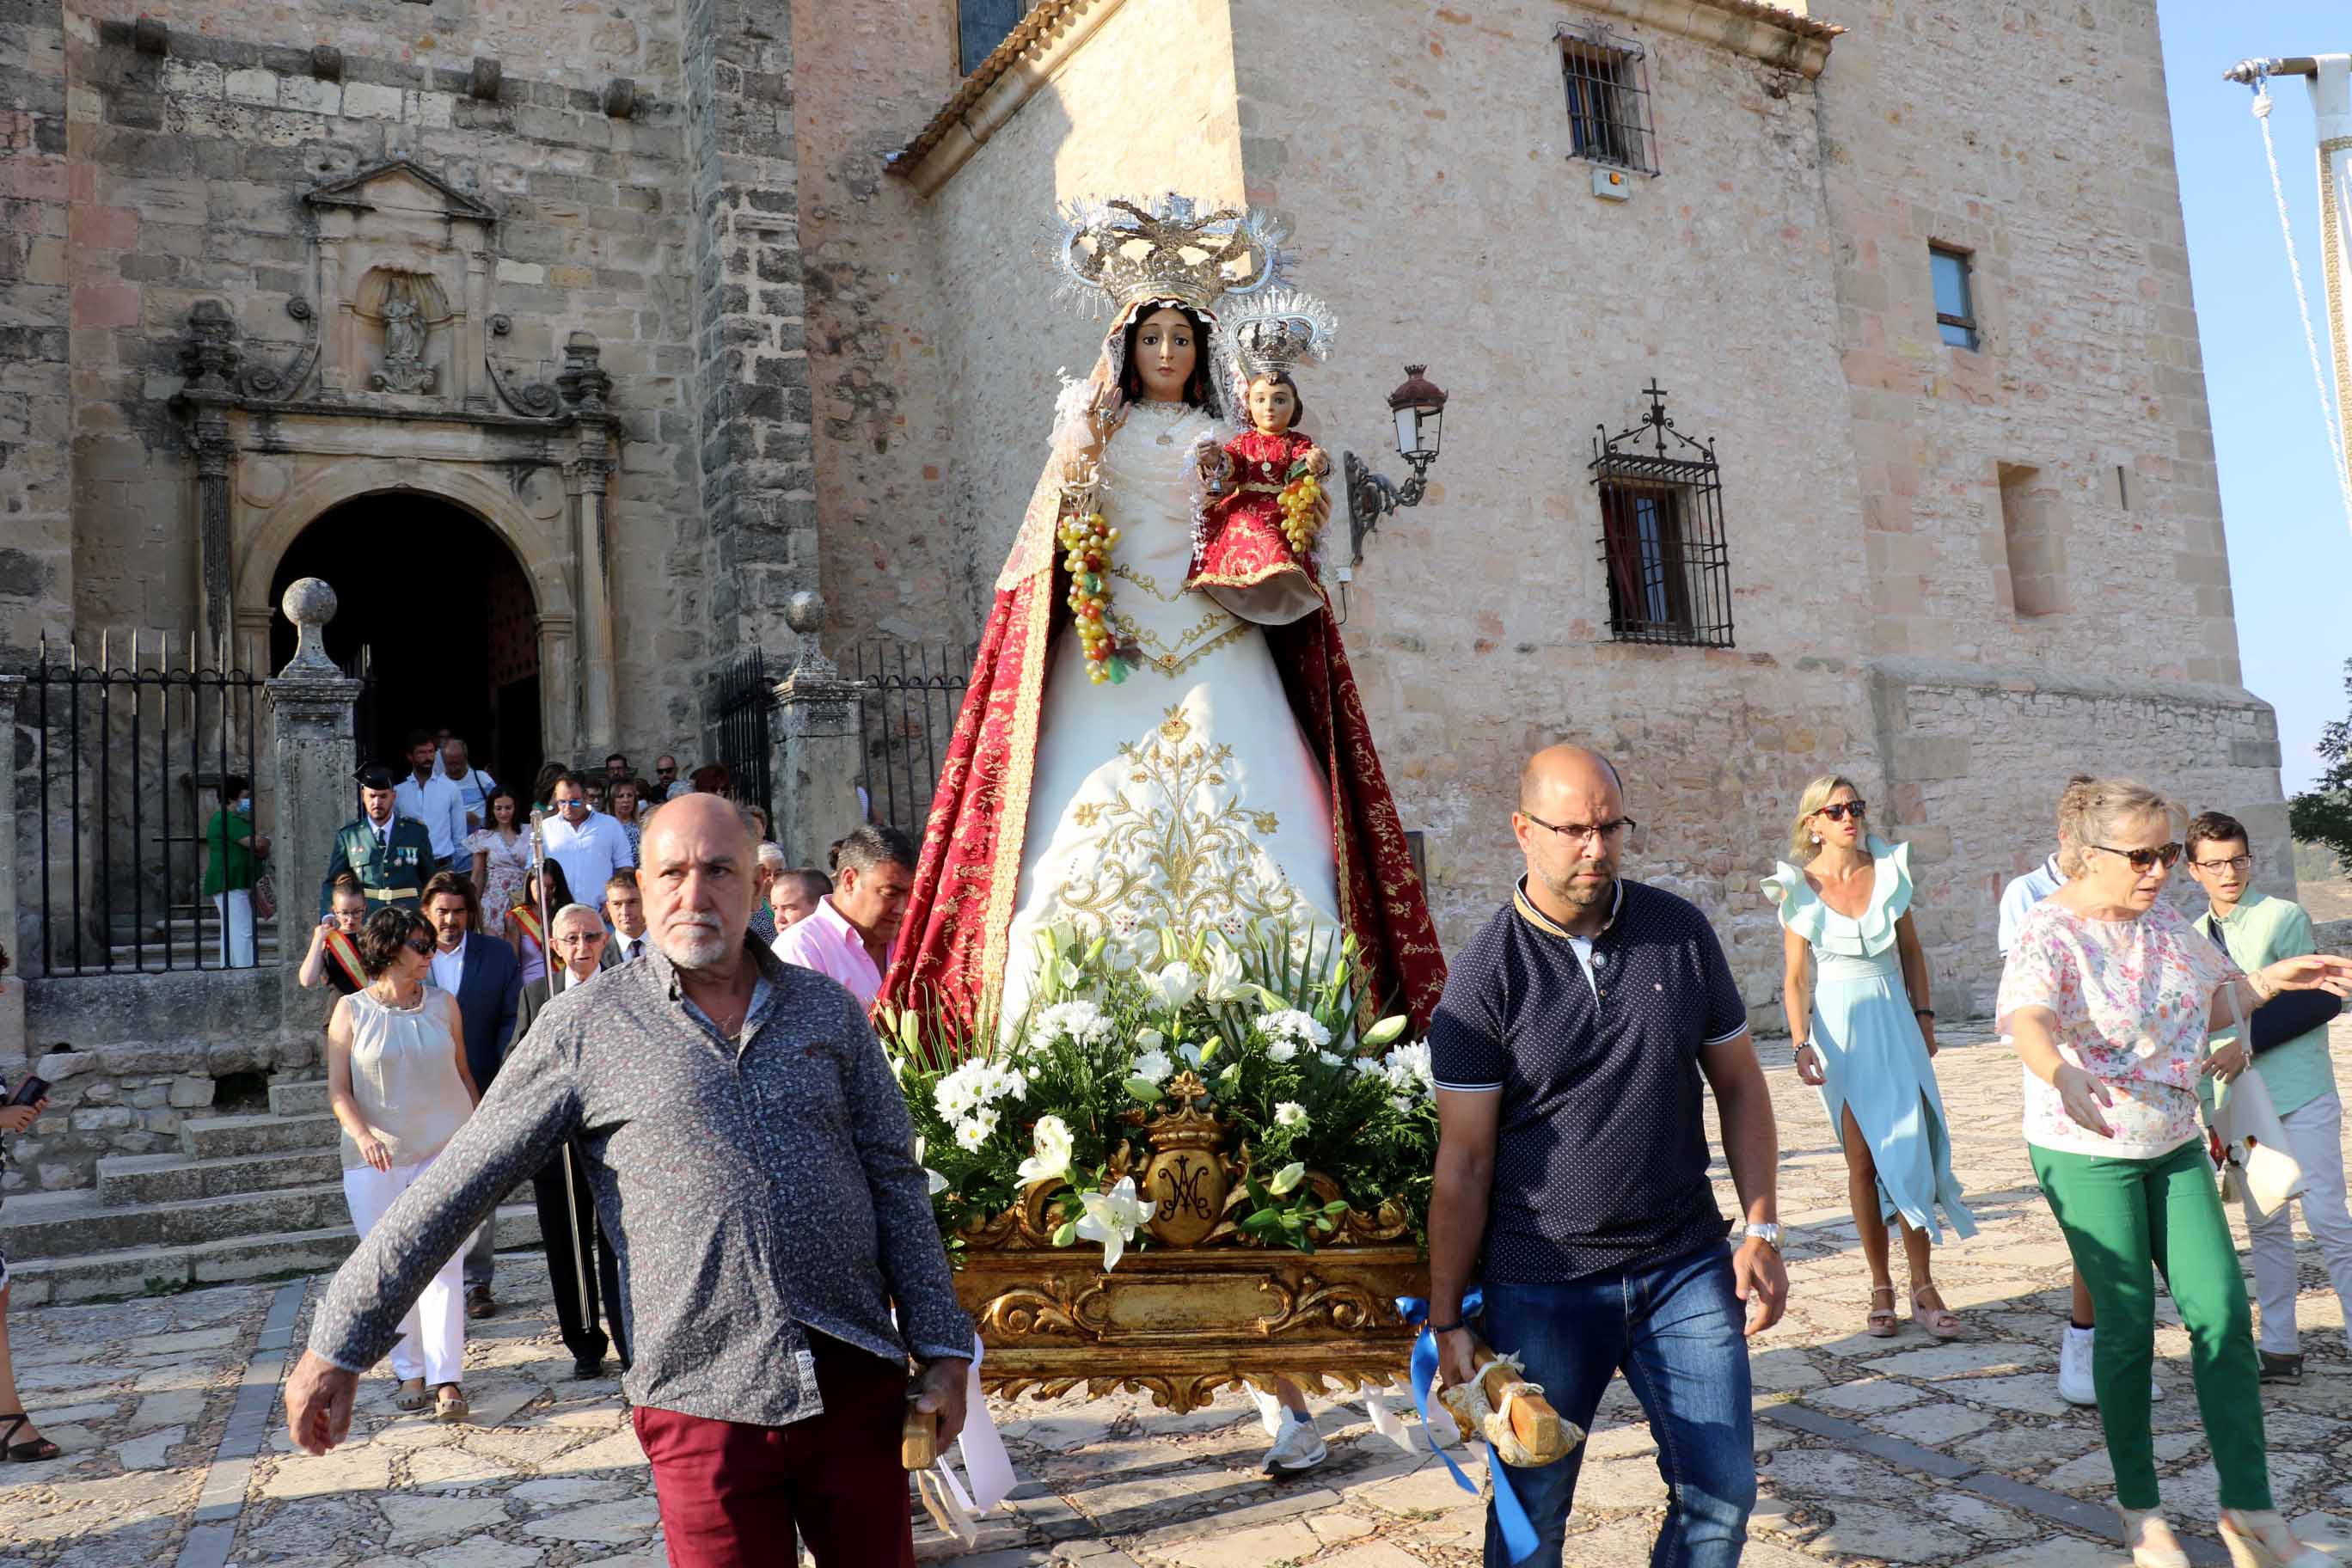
x=698, y=871
x=1557, y=773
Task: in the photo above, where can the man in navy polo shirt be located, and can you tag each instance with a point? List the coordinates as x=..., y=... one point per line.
x=1572, y=1164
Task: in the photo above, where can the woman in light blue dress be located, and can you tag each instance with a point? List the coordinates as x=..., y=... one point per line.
x=1856, y=988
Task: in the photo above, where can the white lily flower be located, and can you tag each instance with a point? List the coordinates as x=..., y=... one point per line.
x=1149, y=1039
x=1111, y=1219
x=1223, y=980
x=1052, y=1160
x=1287, y=1178
x=1290, y=1113
x=937, y=1183
x=1174, y=986
x=1386, y=1030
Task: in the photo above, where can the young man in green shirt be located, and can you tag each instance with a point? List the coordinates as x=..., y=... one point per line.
x=2291, y=1055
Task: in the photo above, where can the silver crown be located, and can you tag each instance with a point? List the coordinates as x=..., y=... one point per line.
x=1278, y=332
x=1170, y=250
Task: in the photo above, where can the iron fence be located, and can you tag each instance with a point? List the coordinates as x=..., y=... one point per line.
x=741, y=699
x=126, y=757
x=914, y=692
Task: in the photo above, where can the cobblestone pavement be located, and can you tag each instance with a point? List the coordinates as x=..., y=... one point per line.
x=1901, y=1450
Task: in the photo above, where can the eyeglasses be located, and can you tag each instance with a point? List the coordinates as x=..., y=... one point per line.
x=2241, y=864
x=2143, y=861
x=419, y=946
x=1856, y=809
x=1605, y=832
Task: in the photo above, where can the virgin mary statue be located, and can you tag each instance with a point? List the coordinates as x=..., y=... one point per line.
x=1144, y=744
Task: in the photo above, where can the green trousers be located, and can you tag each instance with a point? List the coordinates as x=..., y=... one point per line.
x=2120, y=1218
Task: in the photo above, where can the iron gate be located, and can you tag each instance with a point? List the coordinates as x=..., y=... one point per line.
x=913, y=694
x=742, y=694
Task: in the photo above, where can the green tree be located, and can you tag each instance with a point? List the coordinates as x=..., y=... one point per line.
x=2323, y=815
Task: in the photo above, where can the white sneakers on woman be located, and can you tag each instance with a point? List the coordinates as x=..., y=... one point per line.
x=2074, y=1385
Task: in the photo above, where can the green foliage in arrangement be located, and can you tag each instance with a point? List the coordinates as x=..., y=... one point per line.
x=1266, y=1025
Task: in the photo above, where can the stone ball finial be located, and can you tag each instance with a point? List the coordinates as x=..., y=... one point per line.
x=310, y=603
x=804, y=612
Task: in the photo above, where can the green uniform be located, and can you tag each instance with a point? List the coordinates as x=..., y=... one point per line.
x=394, y=877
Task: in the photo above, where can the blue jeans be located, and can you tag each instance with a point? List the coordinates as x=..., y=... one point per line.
x=1674, y=1329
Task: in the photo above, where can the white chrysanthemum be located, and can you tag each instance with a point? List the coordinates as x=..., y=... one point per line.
x=1282, y=1050
x=1080, y=1021
x=1330, y=1058
x=1153, y=1067
x=1370, y=1067
x=1290, y=1113
x=974, y=1129
x=1297, y=1028
x=1408, y=1069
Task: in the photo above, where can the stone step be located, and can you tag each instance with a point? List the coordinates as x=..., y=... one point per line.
x=35, y=1281
x=233, y=1137
x=128, y=1180
x=306, y=1097
x=72, y=1224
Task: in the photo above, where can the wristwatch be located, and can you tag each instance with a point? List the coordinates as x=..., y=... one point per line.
x=1766, y=1232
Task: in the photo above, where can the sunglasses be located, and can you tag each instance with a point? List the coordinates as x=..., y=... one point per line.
x=1856, y=809
x=419, y=946
x=2144, y=860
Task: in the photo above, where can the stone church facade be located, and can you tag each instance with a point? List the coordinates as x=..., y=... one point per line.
x=570, y=341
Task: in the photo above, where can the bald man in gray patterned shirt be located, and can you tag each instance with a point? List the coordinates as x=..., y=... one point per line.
x=753, y=1161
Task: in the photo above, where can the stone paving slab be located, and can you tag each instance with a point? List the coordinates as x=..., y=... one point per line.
x=1869, y=1451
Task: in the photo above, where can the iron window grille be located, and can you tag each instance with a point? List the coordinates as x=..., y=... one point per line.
x=1956, y=309
x=1608, y=99
x=1662, y=544
x=981, y=24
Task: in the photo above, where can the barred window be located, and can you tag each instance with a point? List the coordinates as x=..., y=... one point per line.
x=981, y=24
x=1608, y=99
x=1661, y=544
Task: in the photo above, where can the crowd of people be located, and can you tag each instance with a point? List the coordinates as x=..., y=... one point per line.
x=2134, y=1015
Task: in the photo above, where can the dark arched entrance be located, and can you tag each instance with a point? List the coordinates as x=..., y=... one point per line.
x=444, y=614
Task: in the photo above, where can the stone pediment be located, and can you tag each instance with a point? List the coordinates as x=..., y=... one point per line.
x=400, y=186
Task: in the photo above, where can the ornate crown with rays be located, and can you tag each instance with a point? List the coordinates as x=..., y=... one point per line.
x=1277, y=331
x=1120, y=252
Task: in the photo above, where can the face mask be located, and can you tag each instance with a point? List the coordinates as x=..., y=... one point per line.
x=243, y=807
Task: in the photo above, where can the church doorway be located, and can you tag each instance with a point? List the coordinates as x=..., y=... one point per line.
x=441, y=612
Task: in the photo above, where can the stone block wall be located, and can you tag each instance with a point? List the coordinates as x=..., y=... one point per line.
x=188, y=168
x=119, y=1088
x=36, y=302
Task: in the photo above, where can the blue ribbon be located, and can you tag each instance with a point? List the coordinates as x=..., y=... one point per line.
x=1518, y=1532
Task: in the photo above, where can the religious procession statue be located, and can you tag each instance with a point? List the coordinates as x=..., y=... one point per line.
x=1162, y=972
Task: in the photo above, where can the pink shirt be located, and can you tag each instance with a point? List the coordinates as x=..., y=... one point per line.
x=829, y=945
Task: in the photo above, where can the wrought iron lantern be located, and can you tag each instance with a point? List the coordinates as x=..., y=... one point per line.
x=1418, y=406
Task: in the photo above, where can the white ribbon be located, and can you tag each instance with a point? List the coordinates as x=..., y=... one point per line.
x=952, y=1507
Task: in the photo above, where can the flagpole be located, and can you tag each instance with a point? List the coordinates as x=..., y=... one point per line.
x=546, y=953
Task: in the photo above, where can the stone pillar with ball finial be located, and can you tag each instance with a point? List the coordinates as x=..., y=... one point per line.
x=311, y=706
x=817, y=740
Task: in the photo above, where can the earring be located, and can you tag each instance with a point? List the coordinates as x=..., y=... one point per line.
x=1817, y=838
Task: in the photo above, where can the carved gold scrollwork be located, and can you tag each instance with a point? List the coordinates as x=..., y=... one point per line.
x=1059, y=1306
x=1345, y=1307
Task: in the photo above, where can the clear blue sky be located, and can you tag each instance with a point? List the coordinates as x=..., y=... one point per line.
x=2290, y=544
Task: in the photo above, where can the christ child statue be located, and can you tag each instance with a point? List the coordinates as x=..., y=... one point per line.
x=1264, y=498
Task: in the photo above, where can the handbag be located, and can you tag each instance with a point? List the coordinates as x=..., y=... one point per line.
x=2257, y=1170
x=265, y=897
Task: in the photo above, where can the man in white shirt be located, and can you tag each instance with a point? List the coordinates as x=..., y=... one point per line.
x=588, y=845
x=474, y=785
x=431, y=800
x=624, y=907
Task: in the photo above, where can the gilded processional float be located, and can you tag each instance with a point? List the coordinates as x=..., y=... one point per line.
x=1157, y=996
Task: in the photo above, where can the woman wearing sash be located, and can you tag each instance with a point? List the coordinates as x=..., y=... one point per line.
x=334, y=956
x=523, y=918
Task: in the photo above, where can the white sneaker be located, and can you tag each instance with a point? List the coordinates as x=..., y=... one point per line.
x=2074, y=1385
x=1299, y=1448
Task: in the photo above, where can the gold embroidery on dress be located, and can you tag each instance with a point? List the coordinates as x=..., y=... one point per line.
x=1169, y=661
x=1143, y=580
x=1178, y=847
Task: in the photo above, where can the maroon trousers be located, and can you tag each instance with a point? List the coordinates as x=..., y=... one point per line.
x=739, y=1496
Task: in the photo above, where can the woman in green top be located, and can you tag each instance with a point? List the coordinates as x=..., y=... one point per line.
x=232, y=853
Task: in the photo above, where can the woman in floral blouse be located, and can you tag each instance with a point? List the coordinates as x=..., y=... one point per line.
x=2109, y=994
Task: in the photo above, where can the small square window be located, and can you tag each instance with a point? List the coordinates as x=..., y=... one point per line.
x=981, y=24
x=1956, y=312
x=1608, y=99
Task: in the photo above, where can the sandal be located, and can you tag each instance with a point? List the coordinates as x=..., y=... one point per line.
x=1940, y=1322
x=31, y=1453
x=411, y=1395
x=451, y=1407
x=1882, y=1322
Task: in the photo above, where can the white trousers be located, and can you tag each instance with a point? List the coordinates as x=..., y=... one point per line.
x=438, y=1318
x=2314, y=1136
x=236, y=919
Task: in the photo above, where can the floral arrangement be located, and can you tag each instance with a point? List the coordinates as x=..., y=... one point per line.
x=1250, y=1046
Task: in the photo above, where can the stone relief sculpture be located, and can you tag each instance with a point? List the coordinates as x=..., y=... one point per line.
x=404, y=369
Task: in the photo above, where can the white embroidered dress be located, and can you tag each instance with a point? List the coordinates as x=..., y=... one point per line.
x=1185, y=795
